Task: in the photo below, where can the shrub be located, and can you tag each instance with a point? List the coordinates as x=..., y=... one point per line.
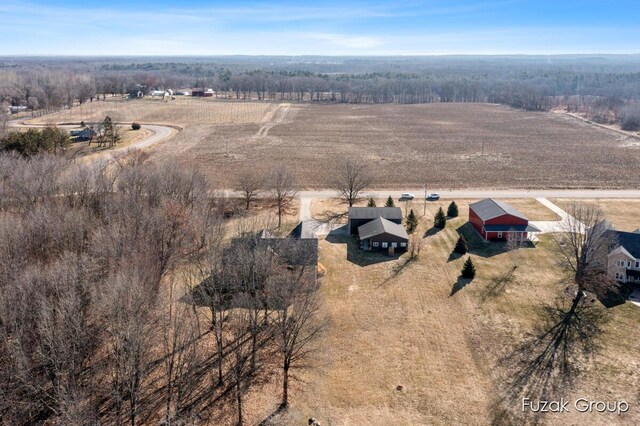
x=440, y=220
x=136, y=126
x=452, y=210
x=371, y=203
x=461, y=246
x=412, y=222
x=468, y=269
x=389, y=202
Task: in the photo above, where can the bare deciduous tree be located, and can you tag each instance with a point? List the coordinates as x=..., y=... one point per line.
x=583, y=247
x=351, y=178
x=298, y=324
x=250, y=184
x=283, y=189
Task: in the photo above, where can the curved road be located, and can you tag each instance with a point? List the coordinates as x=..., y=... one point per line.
x=160, y=134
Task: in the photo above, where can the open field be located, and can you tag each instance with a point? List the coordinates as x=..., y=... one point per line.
x=127, y=135
x=453, y=346
x=623, y=214
x=181, y=111
x=441, y=145
x=529, y=206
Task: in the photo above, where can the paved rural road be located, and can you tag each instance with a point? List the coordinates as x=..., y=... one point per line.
x=489, y=193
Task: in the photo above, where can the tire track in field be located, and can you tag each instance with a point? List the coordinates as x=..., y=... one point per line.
x=273, y=117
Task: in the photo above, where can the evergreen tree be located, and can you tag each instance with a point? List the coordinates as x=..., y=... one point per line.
x=440, y=220
x=469, y=269
x=389, y=202
x=371, y=203
x=412, y=222
x=452, y=211
x=461, y=246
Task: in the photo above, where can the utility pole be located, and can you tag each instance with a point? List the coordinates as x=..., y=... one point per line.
x=424, y=211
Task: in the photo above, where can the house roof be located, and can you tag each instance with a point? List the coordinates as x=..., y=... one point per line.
x=489, y=208
x=304, y=229
x=511, y=228
x=381, y=226
x=293, y=251
x=629, y=240
x=375, y=212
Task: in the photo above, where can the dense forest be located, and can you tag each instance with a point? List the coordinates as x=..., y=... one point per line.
x=528, y=82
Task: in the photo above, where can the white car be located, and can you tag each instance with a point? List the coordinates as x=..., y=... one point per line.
x=407, y=196
x=433, y=196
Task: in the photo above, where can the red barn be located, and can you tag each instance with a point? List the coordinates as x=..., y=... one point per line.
x=495, y=220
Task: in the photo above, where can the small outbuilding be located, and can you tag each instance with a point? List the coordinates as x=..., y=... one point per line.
x=496, y=220
x=359, y=216
x=382, y=234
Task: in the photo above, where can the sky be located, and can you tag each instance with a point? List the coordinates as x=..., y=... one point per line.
x=435, y=27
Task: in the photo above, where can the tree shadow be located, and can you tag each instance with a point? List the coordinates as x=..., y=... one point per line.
x=498, y=283
x=454, y=256
x=549, y=360
x=432, y=231
x=460, y=283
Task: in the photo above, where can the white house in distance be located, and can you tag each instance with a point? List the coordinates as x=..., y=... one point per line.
x=623, y=263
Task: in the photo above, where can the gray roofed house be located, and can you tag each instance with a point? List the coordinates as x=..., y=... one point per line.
x=382, y=234
x=380, y=226
x=489, y=209
x=359, y=216
x=623, y=261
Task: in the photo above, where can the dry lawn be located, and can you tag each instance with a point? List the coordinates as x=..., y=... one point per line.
x=410, y=145
x=450, y=344
x=529, y=206
x=624, y=214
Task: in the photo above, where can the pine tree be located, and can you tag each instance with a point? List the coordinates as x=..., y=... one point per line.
x=452, y=211
x=389, y=202
x=412, y=222
x=461, y=246
x=469, y=269
x=371, y=203
x=440, y=220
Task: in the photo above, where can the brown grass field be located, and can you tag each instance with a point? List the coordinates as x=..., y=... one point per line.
x=453, y=346
x=411, y=145
x=444, y=145
x=624, y=214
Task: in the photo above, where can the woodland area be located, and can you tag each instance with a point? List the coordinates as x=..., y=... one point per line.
x=123, y=299
x=531, y=82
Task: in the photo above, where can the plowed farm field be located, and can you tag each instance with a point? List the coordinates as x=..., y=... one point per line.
x=439, y=145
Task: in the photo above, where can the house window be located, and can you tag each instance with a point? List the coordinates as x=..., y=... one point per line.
x=637, y=263
x=628, y=264
x=385, y=245
x=403, y=244
x=394, y=245
x=375, y=244
x=500, y=234
x=620, y=263
x=618, y=276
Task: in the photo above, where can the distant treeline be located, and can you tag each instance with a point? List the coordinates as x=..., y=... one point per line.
x=528, y=82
